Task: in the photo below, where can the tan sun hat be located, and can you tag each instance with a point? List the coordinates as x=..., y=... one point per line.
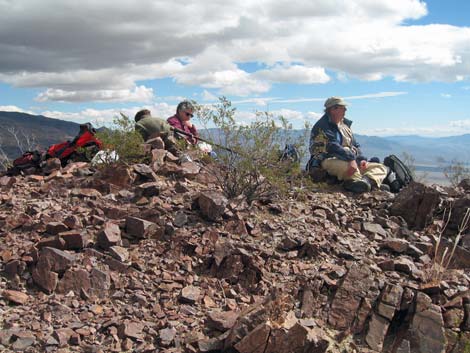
x=332, y=101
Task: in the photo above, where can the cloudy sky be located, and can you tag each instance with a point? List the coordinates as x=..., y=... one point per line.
x=403, y=65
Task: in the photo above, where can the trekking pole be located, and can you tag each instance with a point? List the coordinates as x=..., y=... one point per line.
x=203, y=140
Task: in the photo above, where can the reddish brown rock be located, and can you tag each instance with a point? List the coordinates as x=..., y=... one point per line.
x=15, y=296
x=222, y=320
x=74, y=240
x=74, y=280
x=416, y=204
x=140, y=228
x=131, y=329
x=109, y=236
x=212, y=205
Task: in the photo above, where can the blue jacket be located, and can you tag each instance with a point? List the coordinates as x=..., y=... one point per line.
x=326, y=141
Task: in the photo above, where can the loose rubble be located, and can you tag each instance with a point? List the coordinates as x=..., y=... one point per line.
x=153, y=258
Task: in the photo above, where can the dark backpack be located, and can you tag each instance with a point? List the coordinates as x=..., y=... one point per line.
x=402, y=173
x=290, y=153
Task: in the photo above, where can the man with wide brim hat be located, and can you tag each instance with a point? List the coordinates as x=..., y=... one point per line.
x=334, y=150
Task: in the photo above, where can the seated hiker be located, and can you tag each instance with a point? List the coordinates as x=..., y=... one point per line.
x=182, y=121
x=334, y=149
x=149, y=126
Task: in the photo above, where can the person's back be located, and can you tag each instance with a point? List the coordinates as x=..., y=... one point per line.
x=149, y=126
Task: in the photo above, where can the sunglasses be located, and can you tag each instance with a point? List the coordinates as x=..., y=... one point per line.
x=189, y=114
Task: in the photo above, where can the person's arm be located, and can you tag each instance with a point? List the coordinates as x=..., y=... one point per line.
x=335, y=149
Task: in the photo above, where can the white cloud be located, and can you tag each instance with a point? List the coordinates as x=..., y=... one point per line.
x=139, y=94
x=207, y=96
x=446, y=95
x=14, y=108
x=77, y=57
x=294, y=74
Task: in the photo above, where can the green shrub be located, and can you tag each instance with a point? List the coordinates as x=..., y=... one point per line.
x=252, y=167
x=122, y=138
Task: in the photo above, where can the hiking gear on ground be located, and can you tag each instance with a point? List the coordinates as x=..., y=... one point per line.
x=290, y=153
x=69, y=149
x=105, y=157
x=29, y=159
x=358, y=186
x=399, y=175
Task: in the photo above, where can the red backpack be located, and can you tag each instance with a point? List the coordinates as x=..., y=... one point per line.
x=85, y=139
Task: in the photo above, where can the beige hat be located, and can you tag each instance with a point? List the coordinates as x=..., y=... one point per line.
x=332, y=101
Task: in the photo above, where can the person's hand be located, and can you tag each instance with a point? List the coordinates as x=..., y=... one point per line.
x=352, y=168
x=363, y=166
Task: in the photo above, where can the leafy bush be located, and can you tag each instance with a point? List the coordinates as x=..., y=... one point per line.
x=251, y=166
x=122, y=138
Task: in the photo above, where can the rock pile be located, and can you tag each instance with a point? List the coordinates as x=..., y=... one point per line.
x=155, y=259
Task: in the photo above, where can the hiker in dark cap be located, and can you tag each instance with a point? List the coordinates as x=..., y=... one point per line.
x=182, y=121
x=334, y=149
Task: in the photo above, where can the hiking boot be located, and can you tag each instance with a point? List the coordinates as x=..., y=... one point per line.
x=358, y=186
x=384, y=187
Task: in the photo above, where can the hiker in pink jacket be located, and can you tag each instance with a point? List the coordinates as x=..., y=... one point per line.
x=182, y=121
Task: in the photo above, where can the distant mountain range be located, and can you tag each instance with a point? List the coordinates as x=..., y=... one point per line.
x=425, y=150
x=18, y=128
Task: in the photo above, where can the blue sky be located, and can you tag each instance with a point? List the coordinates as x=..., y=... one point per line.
x=403, y=65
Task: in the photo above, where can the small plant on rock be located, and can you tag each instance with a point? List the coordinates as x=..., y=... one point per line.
x=124, y=140
x=444, y=255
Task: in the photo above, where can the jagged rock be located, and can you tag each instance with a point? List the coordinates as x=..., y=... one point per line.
x=131, y=329
x=416, y=204
x=119, y=253
x=190, y=294
x=427, y=327
x=222, y=321
x=148, y=189
x=212, y=205
x=378, y=327
x=56, y=260
x=86, y=192
x=167, y=335
x=109, y=236
x=358, y=284
x=55, y=228
x=140, y=228
x=453, y=318
x=405, y=265
x=73, y=222
x=62, y=336
x=145, y=171
x=15, y=296
x=45, y=278
x=374, y=228
x=189, y=170
x=255, y=341
x=74, y=280
x=180, y=219
x=73, y=240
x=396, y=244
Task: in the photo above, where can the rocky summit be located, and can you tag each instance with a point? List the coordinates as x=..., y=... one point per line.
x=154, y=258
